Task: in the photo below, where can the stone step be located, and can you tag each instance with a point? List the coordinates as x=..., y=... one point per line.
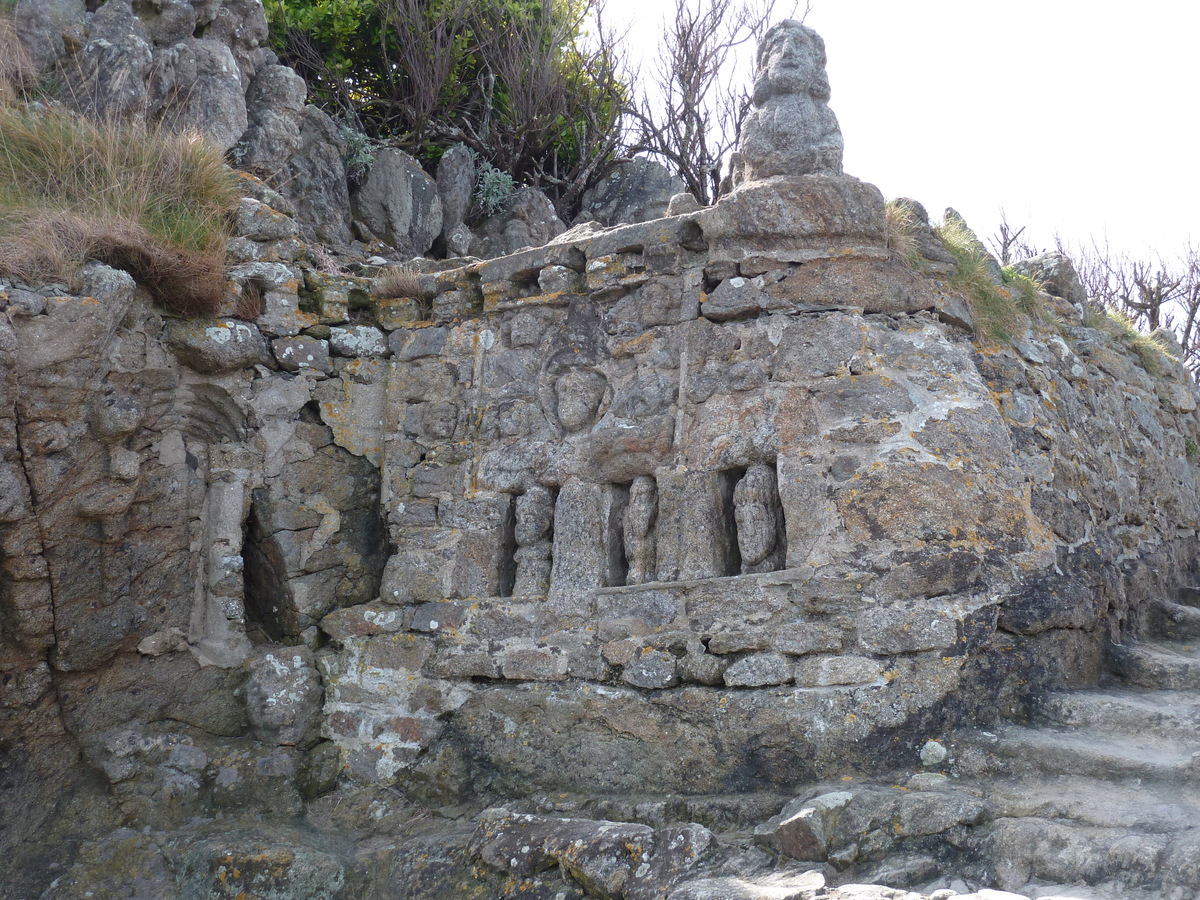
x=1029, y=851
x=1148, y=807
x=1158, y=664
x=1173, y=714
x=1019, y=751
x=1174, y=621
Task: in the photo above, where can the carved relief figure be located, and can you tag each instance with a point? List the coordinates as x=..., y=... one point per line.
x=759, y=519
x=791, y=130
x=641, y=516
x=535, y=520
x=572, y=388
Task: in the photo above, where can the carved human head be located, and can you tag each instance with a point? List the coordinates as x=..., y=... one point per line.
x=791, y=60
x=579, y=392
x=535, y=515
x=754, y=513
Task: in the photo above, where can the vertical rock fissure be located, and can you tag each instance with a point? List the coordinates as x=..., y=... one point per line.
x=19, y=423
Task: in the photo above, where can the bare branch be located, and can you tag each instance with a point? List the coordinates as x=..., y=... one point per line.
x=692, y=115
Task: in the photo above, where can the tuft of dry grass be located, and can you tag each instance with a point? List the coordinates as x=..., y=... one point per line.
x=155, y=203
x=396, y=283
x=902, y=233
x=998, y=317
x=16, y=68
x=250, y=303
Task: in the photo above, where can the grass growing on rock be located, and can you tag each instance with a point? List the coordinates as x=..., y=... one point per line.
x=999, y=310
x=902, y=233
x=1151, y=352
x=146, y=200
x=398, y=283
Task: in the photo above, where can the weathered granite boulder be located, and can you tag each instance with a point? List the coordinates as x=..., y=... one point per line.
x=928, y=246
x=456, y=188
x=634, y=190
x=316, y=181
x=399, y=203
x=112, y=68
x=529, y=220
x=197, y=84
x=1056, y=273
x=274, y=103
x=241, y=25
x=48, y=28
x=791, y=130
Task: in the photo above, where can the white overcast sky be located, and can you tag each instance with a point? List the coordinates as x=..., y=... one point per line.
x=1075, y=117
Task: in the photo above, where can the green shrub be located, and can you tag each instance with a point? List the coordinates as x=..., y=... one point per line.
x=515, y=80
x=359, y=153
x=155, y=203
x=493, y=188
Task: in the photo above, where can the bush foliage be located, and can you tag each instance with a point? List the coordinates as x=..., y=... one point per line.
x=517, y=81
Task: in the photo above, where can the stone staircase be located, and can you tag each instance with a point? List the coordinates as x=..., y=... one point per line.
x=1099, y=795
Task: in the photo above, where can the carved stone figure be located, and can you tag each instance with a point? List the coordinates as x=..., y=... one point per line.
x=638, y=530
x=535, y=518
x=791, y=130
x=756, y=511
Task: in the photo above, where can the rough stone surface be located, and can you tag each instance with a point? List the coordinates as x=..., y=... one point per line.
x=634, y=190
x=607, y=568
x=1056, y=273
x=274, y=102
x=456, y=188
x=198, y=83
x=399, y=203
x=529, y=220
x=317, y=179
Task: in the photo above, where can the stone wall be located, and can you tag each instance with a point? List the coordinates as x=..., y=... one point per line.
x=714, y=503
x=172, y=508
x=569, y=437
x=655, y=521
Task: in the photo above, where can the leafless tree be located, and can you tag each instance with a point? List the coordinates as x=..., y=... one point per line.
x=1008, y=242
x=691, y=115
x=1155, y=292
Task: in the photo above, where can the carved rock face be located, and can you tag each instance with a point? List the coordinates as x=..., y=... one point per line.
x=754, y=511
x=535, y=514
x=535, y=517
x=638, y=530
x=579, y=394
x=791, y=131
x=791, y=60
